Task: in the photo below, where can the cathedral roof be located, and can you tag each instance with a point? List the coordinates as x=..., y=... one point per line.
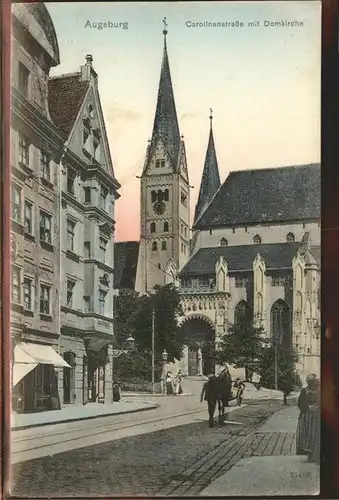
x=125, y=264
x=265, y=195
x=65, y=96
x=240, y=258
x=210, y=181
x=165, y=121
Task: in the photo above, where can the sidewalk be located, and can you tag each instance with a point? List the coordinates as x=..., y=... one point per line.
x=73, y=413
x=271, y=466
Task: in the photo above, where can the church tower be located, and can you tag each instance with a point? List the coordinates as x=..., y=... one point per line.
x=210, y=181
x=165, y=193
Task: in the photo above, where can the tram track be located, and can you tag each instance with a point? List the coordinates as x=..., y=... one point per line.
x=60, y=438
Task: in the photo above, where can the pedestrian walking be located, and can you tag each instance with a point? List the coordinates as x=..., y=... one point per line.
x=240, y=387
x=177, y=383
x=225, y=392
x=116, y=391
x=169, y=384
x=210, y=393
x=308, y=427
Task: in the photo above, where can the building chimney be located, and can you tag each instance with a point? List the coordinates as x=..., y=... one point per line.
x=87, y=71
x=89, y=59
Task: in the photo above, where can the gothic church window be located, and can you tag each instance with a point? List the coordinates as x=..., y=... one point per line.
x=162, y=163
x=164, y=245
x=240, y=282
x=290, y=238
x=257, y=239
x=153, y=196
x=278, y=281
x=242, y=313
x=160, y=195
x=154, y=246
x=152, y=227
x=281, y=323
x=166, y=228
x=223, y=242
x=166, y=195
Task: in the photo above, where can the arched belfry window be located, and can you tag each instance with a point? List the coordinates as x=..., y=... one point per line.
x=281, y=323
x=164, y=245
x=152, y=227
x=242, y=313
x=154, y=246
x=153, y=196
x=160, y=195
x=290, y=238
x=223, y=242
x=166, y=227
x=257, y=239
x=166, y=195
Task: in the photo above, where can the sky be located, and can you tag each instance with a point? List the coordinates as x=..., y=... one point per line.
x=262, y=82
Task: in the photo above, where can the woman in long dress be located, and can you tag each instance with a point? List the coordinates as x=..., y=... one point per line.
x=308, y=427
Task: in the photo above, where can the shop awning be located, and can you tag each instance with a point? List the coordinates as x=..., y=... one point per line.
x=28, y=356
x=43, y=354
x=20, y=370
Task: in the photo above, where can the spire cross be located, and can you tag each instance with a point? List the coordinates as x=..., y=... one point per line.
x=165, y=25
x=211, y=116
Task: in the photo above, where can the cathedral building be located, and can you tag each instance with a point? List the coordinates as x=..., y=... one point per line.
x=255, y=254
x=253, y=251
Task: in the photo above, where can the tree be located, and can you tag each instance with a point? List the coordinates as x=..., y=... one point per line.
x=288, y=378
x=165, y=301
x=133, y=317
x=242, y=346
x=127, y=308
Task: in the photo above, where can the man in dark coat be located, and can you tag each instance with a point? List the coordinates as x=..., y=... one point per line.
x=210, y=394
x=225, y=392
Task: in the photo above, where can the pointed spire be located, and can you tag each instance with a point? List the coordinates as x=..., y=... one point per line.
x=165, y=120
x=210, y=181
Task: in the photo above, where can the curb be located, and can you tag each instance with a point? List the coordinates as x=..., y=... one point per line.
x=91, y=417
x=150, y=395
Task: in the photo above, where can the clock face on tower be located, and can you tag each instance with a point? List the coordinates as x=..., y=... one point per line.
x=159, y=207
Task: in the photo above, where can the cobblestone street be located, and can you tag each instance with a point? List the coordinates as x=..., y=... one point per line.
x=176, y=461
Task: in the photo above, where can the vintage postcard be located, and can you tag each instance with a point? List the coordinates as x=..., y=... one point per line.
x=165, y=249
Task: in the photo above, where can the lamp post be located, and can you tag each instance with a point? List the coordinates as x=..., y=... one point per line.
x=276, y=341
x=153, y=349
x=164, y=360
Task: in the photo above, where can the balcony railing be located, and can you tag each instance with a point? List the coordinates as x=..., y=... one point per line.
x=198, y=290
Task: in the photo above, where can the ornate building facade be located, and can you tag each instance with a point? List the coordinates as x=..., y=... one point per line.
x=36, y=146
x=88, y=191
x=63, y=194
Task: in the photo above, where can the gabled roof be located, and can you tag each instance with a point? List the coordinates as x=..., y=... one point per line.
x=125, y=264
x=240, y=258
x=165, y=121
x=210, y=181
x=65, y=96
x=265, y=195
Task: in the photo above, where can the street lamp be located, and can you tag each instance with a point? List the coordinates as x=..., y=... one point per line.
x=164, y=360
x=127, y=346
